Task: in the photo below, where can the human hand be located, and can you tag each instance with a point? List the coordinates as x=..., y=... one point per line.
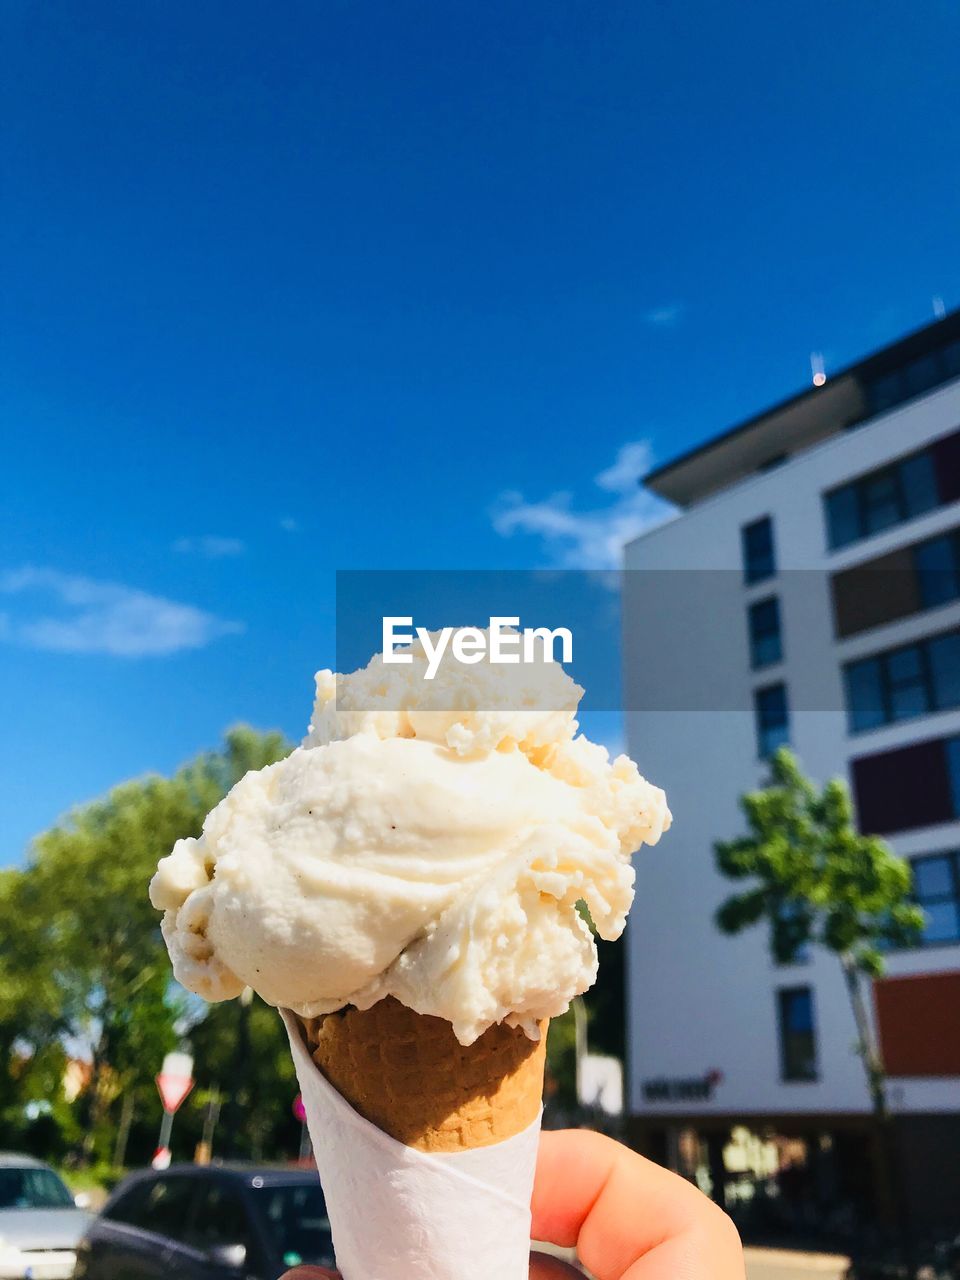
x=628, y=1218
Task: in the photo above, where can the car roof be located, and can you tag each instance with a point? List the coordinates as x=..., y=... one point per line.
x=249, y=1174
x=17, y=1160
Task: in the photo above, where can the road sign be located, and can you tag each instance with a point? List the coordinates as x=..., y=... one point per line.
x=175, y=1080
x=299, y=1110
x=173, y=1090
x=601, y=1083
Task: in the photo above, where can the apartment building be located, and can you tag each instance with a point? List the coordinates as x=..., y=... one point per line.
x=808, y=593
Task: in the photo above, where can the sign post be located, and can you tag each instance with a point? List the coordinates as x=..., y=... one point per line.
x=174, y=1083
x=300, y=1112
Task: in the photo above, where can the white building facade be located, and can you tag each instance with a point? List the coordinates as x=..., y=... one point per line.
x=808, y=592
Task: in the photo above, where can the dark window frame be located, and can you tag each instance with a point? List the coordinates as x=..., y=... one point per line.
x=310, y=1196
x=790, y=1074
x=953, y=860
x=913, y=681
x=951, y=749
x=763, y=752
x=181, y=1180
x=909, y=787
x=751, y=574
x=132, y=1198
x=29, y=1187
x=896, y=585
x=951, y=537
x=920, y=375
x=932, y=698
x=860, y=487
x=231, y=1191
x=754, y=635
x=803, y=954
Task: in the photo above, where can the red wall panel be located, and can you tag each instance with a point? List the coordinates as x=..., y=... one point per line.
x=919, y=1023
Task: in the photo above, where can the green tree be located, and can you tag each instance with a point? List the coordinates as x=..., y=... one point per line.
x=602, y=1009
x=241, y=1053
x=815, y=880
x=91, y=970
x=561, y=1085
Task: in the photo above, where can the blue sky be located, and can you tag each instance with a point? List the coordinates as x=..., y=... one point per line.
x=341, y=285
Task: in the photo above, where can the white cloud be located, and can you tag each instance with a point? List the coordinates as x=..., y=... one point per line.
x=67, y=613
x=289, y=525
x=594, y=538
x=667, y=316
x=632, y=462
x=211, y=546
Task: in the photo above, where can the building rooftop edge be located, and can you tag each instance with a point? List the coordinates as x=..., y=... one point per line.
x=874, y=360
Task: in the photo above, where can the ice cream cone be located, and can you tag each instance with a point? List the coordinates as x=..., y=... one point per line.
x=409, y=1075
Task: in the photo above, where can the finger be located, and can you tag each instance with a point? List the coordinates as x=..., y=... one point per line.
x=628, y=1218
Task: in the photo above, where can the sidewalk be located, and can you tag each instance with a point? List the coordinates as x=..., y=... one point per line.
x=766, y=1264
x=789, y=1264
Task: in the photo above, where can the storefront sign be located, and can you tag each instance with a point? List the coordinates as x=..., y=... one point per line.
x=696, y=1089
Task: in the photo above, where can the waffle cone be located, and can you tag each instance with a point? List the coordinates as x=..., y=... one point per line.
x=408, y=1074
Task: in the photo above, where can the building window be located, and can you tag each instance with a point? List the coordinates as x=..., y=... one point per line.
x=923, y=575
x=773, y=718
x=909, y=787
x=844, y=522
x=943, y=660
x=766, y=646
x=908, y=684
x=952, y=748
x=798, y=1039
x=880, y=501
x=759, y=559
x=866, y=698
x=883, y=498
x=936, y=888
x=803, y=952
x=921, y=374
x=917, y=485
x=937, y=566
x=913, y=680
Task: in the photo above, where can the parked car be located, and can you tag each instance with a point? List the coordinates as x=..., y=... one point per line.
x=932, y=1260
x=208, y=1223
x=39, y=1222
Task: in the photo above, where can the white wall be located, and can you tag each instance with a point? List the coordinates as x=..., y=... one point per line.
x=698, y=1000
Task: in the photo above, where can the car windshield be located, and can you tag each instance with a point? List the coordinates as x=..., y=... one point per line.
x=32, y=1189
x=296, y=1220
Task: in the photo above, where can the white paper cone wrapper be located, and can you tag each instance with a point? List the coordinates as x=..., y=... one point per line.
x=401, y=1214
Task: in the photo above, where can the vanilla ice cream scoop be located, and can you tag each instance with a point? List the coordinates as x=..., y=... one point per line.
x=429, y=847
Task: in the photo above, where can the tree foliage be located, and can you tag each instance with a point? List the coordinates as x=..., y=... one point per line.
x=812, y=877
x=83, y=968
x=241, y=1054
x=815, y=880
